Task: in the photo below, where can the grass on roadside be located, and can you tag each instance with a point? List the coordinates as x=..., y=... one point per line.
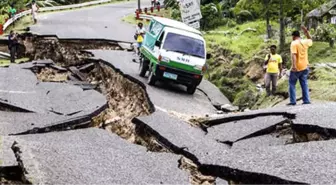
x=6, y=62
x=320, y=52
x=240, y=39
x=131, y=17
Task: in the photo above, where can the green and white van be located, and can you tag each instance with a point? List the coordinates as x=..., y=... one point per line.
x=173, y=51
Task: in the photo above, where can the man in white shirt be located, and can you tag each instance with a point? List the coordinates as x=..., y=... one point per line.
x=140, y=33
x=34, y=9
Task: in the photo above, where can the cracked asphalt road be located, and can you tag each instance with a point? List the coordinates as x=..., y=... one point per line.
x=88, y=155
x=102, y=22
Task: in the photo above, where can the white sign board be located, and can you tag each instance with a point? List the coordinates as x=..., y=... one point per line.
x=195, y=24
x=190, y=10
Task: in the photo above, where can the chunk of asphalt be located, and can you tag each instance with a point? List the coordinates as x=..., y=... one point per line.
x=215, y=96
x=30, y=123
x=74, y=122
x=236, y=130
x=169, y=96
x=320, y=114
x=176, y=135
x=93, y=156
x=307, y=118
x=46, y=96
x=45, y=62
x=311, y=162
x=86, y=67
x=79, y=74
x=16, y=122
x=59, y=68
x=83, y=85
x=7, y=157
x=210, y=122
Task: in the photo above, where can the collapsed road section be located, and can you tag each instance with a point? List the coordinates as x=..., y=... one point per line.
x=127, y=98
x=225, y=151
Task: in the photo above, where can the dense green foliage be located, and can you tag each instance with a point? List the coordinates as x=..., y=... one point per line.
x=216, y=12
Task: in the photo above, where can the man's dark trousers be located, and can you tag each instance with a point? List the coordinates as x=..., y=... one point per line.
x=12, y=51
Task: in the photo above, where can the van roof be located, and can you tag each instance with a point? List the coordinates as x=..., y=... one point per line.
x=183, y=32
x=176, y=24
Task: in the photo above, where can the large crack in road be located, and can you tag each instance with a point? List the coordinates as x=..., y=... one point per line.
x=127, y=97
x=129, y=112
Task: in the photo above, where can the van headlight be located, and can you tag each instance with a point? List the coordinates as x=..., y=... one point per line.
x=201, y=68
x=165, y=59
x=198, y=67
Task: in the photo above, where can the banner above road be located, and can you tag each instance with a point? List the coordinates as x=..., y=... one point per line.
x=190, y=10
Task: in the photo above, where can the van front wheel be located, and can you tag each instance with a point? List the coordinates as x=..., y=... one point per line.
x=143, y=67
x=151, y=78
x=191, y=89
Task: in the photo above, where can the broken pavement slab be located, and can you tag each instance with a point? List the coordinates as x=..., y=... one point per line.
x=239, y=129
x=77, y=72
x=176, y=134
x=17, y=122
x=24, y=91
x=215, y=96
x=311, y=162
x=97, y=157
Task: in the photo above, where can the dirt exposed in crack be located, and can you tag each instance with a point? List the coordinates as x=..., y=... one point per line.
x=307, y=133
x=65, y=52
x=51, y=75
x=196, y=177
x=126, y=101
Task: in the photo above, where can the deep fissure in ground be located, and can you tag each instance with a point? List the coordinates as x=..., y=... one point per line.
x=126, y=96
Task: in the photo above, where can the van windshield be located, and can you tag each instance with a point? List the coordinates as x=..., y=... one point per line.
x=184, y=44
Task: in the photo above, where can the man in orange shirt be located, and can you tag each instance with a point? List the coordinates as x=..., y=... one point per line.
x=300, y=69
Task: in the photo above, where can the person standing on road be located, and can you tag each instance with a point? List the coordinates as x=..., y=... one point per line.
x=273, y=63
x=12, y=45
x=140, y=33
x=34, y=10
x=300, y=69
x=12, y=12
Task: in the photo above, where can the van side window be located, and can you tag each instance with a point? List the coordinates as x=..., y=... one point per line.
x=156, y=29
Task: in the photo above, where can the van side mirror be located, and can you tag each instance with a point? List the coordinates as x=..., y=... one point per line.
x=157, y=43
x=208, y=56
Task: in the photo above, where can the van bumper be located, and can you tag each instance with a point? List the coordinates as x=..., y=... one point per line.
x=183, y=77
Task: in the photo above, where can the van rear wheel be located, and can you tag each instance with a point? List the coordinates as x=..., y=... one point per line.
x=191, y=89
x=143, y=67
